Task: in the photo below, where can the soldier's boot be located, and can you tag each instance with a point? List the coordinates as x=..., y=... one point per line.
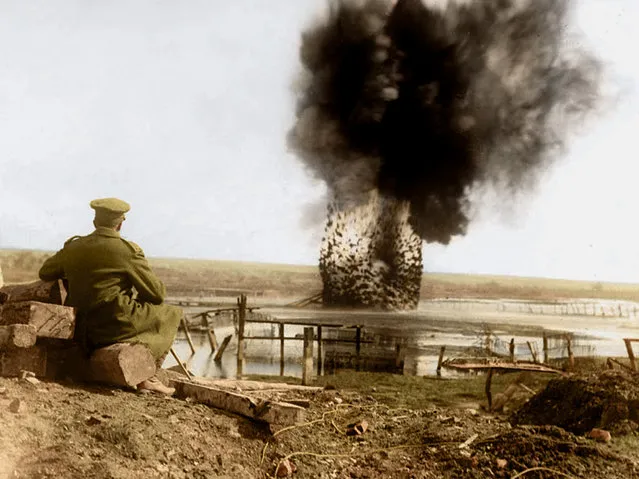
x=154, y=385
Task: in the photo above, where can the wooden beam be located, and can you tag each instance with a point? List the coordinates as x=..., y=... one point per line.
x=52, y=292
x=276, y=414
x=50, y=320
x=17, y=336
x=122, y=364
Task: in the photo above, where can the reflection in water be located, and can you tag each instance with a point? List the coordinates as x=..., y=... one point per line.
x=411, y=352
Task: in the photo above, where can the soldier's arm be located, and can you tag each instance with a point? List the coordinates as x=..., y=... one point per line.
x=52, y=268
x=149, y=287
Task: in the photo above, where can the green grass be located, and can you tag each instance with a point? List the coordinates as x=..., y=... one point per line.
x=417, y=392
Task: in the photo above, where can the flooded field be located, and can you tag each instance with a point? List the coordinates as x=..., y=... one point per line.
x=409, y=342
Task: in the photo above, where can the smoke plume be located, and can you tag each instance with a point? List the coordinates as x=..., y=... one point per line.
x=426, y=102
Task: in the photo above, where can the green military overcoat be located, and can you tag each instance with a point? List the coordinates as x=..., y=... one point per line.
x=104, y=272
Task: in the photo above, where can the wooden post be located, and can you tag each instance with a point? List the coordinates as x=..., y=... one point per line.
x=181, y=364
x=212, y=340
x=631, y=355
x=545, y=342
x=571, y=357
x=241, y=318
x=489, y=396
x=511, y=349
x=532, y=351
x=440, y=360
x=281, y=326
x=307, y=366
x=358, y=346
x=319, y=350
x=185, y=327
x=220, y=351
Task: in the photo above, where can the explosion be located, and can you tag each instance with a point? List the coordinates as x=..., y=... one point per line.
x=405, y=109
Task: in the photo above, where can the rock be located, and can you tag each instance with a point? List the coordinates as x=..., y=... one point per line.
x=600, y=435
x=357, y=428
x=286, y=468
x=32, y=380
x=3, y=390
x=16, y=406
x=501, y=463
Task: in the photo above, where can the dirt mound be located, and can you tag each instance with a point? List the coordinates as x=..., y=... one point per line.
x=608, y=400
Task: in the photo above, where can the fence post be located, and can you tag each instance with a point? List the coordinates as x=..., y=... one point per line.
x=440, y=360
x=358, y=346
x=631, y=355
x=281, y=327
x=241, y=318
x=307, y=366
x=511, y=349
x=545, y=348
x=319, y=350
x=571, y=356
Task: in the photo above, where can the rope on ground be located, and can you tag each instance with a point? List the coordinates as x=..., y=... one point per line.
x=545, y=469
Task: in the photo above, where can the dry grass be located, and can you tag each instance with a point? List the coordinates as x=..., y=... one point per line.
x=203, y=277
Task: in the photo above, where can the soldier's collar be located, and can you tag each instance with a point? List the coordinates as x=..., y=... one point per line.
x=102, y=231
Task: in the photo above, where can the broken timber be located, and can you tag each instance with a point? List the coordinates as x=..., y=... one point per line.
x=52, y=292
x=49, y=320
x=276, y=414
x=479, y=364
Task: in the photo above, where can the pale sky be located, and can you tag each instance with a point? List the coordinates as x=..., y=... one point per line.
x=181, y=109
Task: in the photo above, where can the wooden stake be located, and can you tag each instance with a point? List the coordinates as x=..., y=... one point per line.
x=489, y=396
x=307, y=366
x=281, y=327
x=440, y=360
x=241, y=319
x=511, y=349
x=182, y=367
x=319, y=350
x=358, y=346
x=185, y=327
x=631, y=355
x=571, y=357
x=545, y=342
x=532, y=351
x=212, y=340
x=220, y=351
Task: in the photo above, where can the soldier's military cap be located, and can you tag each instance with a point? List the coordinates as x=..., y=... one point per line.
x=109, y=211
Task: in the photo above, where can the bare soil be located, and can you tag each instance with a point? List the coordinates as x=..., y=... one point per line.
x=79, y=431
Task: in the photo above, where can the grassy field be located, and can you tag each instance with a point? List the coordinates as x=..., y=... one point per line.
x=186, y=277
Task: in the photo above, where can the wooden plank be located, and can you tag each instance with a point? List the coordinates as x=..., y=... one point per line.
x=52, y=292
x=519, y=366
x=50, y=320
x=274, y=413
x=17, y=336
x=123, y=364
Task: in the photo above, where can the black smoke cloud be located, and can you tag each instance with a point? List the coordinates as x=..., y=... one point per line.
x=426, y=103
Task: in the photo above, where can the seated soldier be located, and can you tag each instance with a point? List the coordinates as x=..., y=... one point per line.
x=117, y=296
